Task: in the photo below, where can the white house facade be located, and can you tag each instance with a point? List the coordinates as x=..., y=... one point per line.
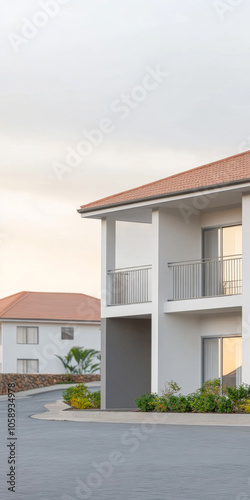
x=183, y=314
x=35, y=327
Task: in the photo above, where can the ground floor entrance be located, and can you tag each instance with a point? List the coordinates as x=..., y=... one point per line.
x=126, y=361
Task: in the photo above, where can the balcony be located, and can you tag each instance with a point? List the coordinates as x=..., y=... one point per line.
x=130, y=285
x=206, y=278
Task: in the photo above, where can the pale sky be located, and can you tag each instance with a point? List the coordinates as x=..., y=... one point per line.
x=66, y=66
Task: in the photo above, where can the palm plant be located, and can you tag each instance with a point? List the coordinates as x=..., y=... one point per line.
x=85, y=360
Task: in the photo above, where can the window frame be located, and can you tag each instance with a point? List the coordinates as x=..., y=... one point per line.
x=28, y=359
x=26, y=335
x=67, y=328
x=220, y=337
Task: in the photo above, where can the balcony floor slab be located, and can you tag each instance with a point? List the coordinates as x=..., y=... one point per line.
x=127, y=310
x=204, y=305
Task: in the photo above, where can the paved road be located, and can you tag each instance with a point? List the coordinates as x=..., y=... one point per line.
x=61, y=460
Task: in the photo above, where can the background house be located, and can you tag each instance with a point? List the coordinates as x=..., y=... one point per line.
x=180, y=309
x=35, y=326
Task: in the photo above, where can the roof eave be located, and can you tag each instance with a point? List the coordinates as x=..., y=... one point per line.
x=160, y=196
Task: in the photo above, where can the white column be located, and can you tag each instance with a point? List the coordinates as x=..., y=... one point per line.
x=155, y=301
x=108, y=258
x=108, y=263
x=246, y=288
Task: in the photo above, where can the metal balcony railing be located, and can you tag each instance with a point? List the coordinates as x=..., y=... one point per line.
x=207, y=278
x=129, y=285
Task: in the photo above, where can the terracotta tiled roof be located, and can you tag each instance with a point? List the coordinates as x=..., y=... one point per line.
x=51, y=306
x=224, y=171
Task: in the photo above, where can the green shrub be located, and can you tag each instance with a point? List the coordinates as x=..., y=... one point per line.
x=170, y=388
x=80, y=397
x=79, y=390
x=95, y=399
x=238, y=393
x=226, y=405
x=201, y=403
x=147, y=402
x=179, y=404
x=161, y=404
x=207, y=399
x=212, y=387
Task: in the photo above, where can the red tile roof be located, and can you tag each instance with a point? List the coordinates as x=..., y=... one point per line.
x=228, y=170
x=51, y=306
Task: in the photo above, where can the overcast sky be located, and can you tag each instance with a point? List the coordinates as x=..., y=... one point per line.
x=168, y=79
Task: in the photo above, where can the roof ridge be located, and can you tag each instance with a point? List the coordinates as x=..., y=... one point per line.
x=169, y=177
x=14, y=303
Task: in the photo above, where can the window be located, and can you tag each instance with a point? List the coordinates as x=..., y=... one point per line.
x=222, y=267
x=222, y=358
x=27, y=335
x=27, y=366
x=67, y=333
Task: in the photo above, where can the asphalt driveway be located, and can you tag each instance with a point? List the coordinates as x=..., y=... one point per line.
x=76, y=460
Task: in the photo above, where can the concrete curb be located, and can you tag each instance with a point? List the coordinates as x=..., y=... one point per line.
x=49, y=388
x=56, y=411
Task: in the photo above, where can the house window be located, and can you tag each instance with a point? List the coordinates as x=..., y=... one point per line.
x=27, y=335
x=222, y=358
x=222, y=266
x=67, y=333
x=27, y=366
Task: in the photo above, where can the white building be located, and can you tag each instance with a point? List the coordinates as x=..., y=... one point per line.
x=37, y=326
x=181, y=309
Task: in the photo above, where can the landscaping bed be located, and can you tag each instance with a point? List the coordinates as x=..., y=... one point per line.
x=210, y=398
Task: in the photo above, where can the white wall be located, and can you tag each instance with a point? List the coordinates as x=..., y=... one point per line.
x=180, y=345
x=50, y=344
x=133, y=244
x=221, y=217
x=176, y=238
x=179, y=336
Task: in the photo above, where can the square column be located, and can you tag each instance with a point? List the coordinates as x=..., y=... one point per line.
x=108, y=262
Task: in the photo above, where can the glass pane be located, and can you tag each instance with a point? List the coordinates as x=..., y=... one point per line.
x=232, y=265
x=32, y=335
x=67, y=333
x=32, y=365
x=212, y=268
x=232, y=241
x=21, y=366
x=232, y=361
x=211, y=359
x=21, y=335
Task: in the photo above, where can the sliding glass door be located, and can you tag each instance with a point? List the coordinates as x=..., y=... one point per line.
x=222, y=358
x=222, y=262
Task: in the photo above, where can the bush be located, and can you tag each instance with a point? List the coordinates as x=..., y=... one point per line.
x=238, y=393
x=201, y=403
x=212, y=387
x=207, y=399
x=170, y=388
x=79, y=390
x=80, y=397
x=226, y=405
x=147, y=402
